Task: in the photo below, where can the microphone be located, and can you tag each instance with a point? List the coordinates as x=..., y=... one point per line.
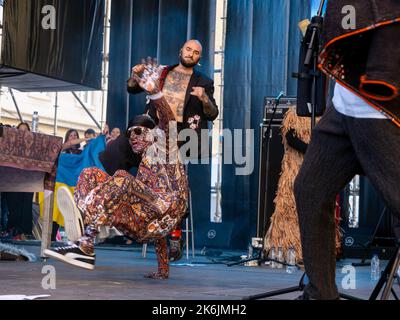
x=280, y=95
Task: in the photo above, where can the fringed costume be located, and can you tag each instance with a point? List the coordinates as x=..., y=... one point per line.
x=284, y=227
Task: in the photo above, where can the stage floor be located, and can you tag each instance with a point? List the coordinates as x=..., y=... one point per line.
x=119, y=275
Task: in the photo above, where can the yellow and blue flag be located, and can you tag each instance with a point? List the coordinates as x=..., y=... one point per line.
x=70, y=167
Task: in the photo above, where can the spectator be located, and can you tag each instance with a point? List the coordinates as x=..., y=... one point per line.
x=72, y=142
x=4, y=216
x=115, y=133
x=4, y=232
x=72, y=145
x=90, y=134
x=23, y=126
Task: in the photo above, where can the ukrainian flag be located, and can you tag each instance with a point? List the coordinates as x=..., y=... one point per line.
x=70, y=167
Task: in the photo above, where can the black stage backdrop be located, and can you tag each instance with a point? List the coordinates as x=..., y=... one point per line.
x=159, y=28
x=262, y=45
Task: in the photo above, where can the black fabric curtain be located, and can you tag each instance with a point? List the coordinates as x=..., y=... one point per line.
x=262, y=45
x=153, y=28
x=71, y=52
x=119, y=64
x=159, y=28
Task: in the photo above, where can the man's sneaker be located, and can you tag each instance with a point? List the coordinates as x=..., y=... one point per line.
x=73, y=255
x=73, y=221
x=175, y=249
x=304, y=296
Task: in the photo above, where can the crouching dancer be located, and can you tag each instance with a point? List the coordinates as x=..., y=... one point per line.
x=146, y=207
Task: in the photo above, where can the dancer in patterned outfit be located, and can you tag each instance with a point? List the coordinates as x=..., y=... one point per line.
x=146, y=207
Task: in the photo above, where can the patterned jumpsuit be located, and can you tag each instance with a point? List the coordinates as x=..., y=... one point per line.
x=146, y=207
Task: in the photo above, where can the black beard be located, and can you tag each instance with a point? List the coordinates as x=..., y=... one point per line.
x=186, y=64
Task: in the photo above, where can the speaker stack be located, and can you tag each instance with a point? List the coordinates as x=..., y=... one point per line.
x=270, y=159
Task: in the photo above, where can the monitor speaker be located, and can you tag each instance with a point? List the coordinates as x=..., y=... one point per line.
x=215, y=235
x=271, y=155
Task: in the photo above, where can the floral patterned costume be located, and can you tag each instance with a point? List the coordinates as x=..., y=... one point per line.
x=146, y=207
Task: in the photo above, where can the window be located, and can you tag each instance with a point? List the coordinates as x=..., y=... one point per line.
x=43, y=96
x=85, y=97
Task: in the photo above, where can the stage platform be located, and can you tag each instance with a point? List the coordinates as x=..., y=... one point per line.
x=119, y=275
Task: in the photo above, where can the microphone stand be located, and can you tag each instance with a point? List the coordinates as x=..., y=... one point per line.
x=266, y=136
x=312, y=57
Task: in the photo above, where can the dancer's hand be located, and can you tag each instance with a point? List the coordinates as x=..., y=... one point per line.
x=150, y=86
x=138, y=70
x=149, y=79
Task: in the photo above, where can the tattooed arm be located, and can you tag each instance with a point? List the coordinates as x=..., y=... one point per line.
x=206, y=96
x=164, y=111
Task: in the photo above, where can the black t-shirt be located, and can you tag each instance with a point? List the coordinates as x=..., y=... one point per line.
x=118, y=155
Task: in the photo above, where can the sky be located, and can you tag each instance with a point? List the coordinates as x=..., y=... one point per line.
x=315, y=5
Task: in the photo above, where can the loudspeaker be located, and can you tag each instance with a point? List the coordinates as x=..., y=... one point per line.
x=271, y=155
x=355, y=242
x=216, y=235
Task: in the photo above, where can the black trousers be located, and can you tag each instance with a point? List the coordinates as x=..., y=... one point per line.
x=341, y=147
x=20, y=211
x=3, y=212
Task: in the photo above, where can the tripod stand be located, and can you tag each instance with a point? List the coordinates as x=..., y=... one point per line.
x=386, y=282
x=387, y=278
x=300, y=287
x=368, y=245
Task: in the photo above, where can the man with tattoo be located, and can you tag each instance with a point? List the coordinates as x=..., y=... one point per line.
x=190, y=96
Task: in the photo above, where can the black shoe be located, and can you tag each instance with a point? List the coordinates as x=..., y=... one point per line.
x=304, y=296
x=175, y=249
x=73, y=255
